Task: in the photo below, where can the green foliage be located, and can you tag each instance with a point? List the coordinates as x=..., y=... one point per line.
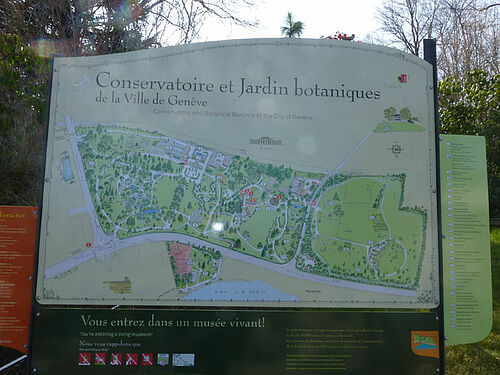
x=471, y=106
x=292, y=29
x=389, y=113
x=23, y=83
x=406, y=114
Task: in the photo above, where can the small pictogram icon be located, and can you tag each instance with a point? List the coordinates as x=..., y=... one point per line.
x=163, y=359
x=403, y=78
x=84, y=359
x=131, y=359
x=116, y=359
x=396, y=149
x=425, y=343
x=100, y=358
x=147, y=359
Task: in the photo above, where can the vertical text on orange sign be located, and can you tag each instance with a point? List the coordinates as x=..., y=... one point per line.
x=17, y=251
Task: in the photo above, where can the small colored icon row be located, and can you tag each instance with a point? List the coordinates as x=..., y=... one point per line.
x=119, y=359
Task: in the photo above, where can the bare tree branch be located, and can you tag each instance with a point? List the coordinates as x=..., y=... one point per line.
x=408, y=22
x=76, y=27
x=467, y=31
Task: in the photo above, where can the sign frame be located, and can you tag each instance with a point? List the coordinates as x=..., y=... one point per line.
x=39, y=310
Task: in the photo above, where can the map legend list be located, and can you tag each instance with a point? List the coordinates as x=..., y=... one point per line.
x=466, y=255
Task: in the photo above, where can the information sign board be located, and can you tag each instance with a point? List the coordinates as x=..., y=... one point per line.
x=242, y=173
x=466, y=262
x=213, y=342
x=17, y=251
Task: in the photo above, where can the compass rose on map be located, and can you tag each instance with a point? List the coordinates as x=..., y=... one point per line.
x=396, y=149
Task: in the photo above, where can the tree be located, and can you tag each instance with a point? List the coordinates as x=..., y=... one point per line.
x=292, y=29
x=389, y=113
x=22, y=90
x=78, y=28
x=471, y=105
x=467, y=31
x=30, y=29
x=468, y=45
x=469, y=38
x=408, y=22
x=405, y=114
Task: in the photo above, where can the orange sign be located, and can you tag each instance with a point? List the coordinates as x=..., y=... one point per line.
x=425, y=343
x=17, y=250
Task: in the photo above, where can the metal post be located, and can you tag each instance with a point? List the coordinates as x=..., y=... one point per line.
x=430, y=57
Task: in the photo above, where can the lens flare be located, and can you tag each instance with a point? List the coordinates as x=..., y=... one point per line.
x=44, y=47
x=130, y=9
x=217, y=227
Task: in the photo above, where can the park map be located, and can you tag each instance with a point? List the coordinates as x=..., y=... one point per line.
x=207, y=205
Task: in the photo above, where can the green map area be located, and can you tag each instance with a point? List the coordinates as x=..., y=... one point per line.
x=401, y=121
x=336, y=225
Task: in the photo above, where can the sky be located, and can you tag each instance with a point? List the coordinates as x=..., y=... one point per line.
x=320, y=18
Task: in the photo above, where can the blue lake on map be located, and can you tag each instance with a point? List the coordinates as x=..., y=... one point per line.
x=148, y=212
x=426, y=346
x=241, y=291
x=67, y=172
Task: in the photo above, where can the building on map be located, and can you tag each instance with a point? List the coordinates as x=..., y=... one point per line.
x=227, y=160
x=196, y=165
x=185, y=152
x=178, y=151
x=270, y=184
x=195, y=219
x=120, y=287
x=218, y=159
x=212, y=161
x=182, y=255
x=274, y=202
x=296, y=186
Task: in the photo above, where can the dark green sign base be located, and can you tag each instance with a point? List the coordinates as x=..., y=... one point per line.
x=159, y=341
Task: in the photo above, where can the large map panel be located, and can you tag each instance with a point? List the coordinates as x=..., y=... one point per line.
x=243, y=173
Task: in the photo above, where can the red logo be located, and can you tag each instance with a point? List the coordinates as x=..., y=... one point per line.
x=84, y=359
x=116, y=359
x=147, y=359
x=131, y=359
x=100, y=358
x=403, y=78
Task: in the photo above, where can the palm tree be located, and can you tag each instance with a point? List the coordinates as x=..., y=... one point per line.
x=292, y=29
